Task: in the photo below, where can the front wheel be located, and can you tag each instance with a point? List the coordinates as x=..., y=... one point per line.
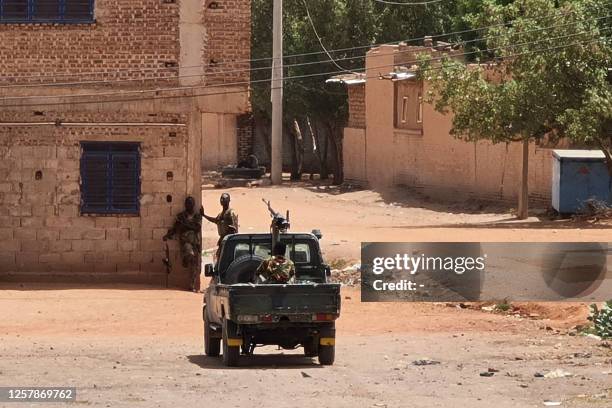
x=212, y=344
x=231, y=344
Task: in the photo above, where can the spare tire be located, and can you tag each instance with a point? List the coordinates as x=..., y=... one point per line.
x=242, y=270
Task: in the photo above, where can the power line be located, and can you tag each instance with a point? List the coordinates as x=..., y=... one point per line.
x=53, y=84
x=312, y=24
x=143, y=91
x=399, y=3
x=154, y=97
x=414, y=39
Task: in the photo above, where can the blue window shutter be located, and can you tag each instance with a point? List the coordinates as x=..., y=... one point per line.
x=95, y=178
x=78, y=9
x=47, y=11
x=110, y=178
x=15, y=9
x=125, y=181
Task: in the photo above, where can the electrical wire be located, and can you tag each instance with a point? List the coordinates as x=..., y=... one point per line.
x=417, y=3
x=172, y=78
x=414, y=39
x=141, y=91
x=155, y=97
x=312, y=24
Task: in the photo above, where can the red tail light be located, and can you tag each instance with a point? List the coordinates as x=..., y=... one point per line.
x=266, y=318
x=324, y=317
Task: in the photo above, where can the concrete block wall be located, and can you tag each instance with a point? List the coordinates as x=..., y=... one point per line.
x=126, y=36
x=41, y=229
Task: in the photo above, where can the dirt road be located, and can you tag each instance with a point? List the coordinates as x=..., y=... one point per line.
x=136, y=346
x=348, y=218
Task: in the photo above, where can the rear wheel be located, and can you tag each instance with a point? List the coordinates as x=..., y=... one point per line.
x=327, y=354
x=212, y=344
x=231, y=352
x=327, y=345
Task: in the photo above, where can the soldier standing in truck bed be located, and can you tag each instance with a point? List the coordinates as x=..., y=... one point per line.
x=226, y=221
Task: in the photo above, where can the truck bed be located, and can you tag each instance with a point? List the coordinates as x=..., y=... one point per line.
x=281, y=300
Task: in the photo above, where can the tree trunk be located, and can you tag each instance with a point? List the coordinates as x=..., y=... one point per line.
x=336, y=151
x=523, y=206
x=298, y=151
x=607, y=151
x=320, y=150
x=262, y=132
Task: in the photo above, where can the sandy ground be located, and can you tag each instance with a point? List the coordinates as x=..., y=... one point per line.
x=138, y=346
x=348, y=218
x=135, y=346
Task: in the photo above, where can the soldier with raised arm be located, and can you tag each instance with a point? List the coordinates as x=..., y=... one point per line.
x=226, y=221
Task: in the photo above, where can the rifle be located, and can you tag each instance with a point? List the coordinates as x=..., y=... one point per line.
x=279, y=224
x=167, y=263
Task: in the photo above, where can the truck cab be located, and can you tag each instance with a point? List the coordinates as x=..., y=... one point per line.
x=240, y=314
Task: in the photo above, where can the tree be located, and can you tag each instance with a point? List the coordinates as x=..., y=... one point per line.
x=547, y=78
x=317, y=107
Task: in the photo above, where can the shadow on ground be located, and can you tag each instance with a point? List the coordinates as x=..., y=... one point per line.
x=276, y=361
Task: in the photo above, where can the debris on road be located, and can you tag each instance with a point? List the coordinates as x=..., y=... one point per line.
x=558, y=373
x=425, y=362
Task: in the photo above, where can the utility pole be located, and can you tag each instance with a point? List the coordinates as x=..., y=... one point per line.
x=276, y=172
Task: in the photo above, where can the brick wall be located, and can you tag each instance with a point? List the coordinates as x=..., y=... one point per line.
x=126, y=35
x=357, y=107
x=41, y=229
x=245, y=136
x=228, y=40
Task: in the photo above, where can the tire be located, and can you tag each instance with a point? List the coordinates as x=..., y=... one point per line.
x=327, y=354
x=311, y=349
x=231, y=354
x=212, y=345
x=242, y=269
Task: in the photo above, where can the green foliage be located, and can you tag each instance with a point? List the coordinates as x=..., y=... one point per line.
x=503, y=306
x=341, y=24
x=548, y=74
x=602, y=320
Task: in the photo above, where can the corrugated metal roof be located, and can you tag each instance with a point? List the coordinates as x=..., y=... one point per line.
x=579, y=154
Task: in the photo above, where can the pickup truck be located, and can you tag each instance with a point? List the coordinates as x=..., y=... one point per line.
x=243, y=315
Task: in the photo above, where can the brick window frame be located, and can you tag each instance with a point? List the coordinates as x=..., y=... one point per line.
x=47, y=11
x=110, y=178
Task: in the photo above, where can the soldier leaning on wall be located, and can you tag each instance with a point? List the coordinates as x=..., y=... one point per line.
x=188, y=228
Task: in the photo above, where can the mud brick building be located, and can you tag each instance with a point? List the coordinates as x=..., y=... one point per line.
x=395, y=138
x=109, y=111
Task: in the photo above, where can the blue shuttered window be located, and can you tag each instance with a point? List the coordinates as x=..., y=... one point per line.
x=46, y=11
x=110, y=178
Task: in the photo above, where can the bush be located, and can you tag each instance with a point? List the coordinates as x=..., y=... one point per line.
x=602, y=320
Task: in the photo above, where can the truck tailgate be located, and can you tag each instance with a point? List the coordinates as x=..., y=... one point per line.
x=284, y=299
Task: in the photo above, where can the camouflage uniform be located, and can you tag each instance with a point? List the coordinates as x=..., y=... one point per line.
x=188, y=227
x=227, y=223
x=277, y=269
